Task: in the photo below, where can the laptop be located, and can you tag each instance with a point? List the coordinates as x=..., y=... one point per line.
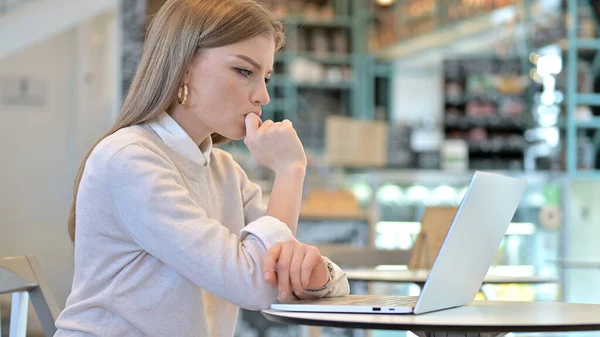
x=463, y=261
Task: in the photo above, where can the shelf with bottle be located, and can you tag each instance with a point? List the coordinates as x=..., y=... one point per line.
x=322, y=54
x=488, y=96
x=410, y=19
x=325, y=85
x=313, y=13
x=323, y=78
x=485, y=106
x=511, y=146
x=337, y=21
x=329, y=58
x=500, y=123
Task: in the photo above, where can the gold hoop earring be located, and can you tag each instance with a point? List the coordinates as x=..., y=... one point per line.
x=183, y=89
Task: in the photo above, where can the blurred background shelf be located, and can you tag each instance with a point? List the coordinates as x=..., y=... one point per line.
x=479, y=32
x=324, y=85
x=335, y=22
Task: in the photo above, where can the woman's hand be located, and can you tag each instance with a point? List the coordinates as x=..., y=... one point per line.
x=274, y=145
x=294, y=266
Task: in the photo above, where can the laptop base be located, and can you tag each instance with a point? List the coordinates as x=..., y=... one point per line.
x=353, y=304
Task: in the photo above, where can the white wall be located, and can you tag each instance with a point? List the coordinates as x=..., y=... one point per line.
x=33, y=21
x=417, y=91
x=41, y=146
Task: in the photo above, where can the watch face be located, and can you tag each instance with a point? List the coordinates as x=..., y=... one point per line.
x=330, y=268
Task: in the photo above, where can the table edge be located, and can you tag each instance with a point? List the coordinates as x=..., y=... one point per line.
x=423, y=327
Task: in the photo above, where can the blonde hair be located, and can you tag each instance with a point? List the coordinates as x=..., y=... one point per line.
x=178, y=30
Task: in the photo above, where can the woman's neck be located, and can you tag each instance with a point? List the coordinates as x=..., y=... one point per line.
x=188, y=121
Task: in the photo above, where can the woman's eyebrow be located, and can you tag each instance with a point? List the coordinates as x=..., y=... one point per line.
x=251, y=61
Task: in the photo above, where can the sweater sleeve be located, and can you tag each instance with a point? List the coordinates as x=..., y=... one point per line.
x=159, y=214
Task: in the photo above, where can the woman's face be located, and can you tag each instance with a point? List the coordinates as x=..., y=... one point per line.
x=225, y=84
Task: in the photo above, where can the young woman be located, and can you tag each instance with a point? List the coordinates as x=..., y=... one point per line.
x=171, y=237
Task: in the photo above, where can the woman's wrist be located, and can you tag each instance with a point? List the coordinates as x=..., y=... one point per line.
x=322, y=278
x=293, y=171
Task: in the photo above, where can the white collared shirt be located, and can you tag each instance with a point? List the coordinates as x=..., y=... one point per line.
x=176, y=138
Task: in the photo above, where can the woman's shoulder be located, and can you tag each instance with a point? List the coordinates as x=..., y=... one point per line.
x=224, y=159
x=221, y=155
x=135, y=136
x=226, y=163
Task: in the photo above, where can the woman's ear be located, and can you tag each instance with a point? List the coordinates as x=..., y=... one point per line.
x=186, y=77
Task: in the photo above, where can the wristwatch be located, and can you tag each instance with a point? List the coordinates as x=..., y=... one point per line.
x=320, y=292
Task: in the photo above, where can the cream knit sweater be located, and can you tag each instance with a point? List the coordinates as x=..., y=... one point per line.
x=170, y=239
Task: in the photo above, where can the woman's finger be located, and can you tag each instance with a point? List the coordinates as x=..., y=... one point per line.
x=269, y=261
x=266, y=125
x=296, y=269
x=252, y=122
x=283, y=270
x=311, y=259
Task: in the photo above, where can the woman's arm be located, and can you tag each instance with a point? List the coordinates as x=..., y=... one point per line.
x=158, y=213
x=285, y=201
x=286, y=196
x=277, y=147
x=300, y=268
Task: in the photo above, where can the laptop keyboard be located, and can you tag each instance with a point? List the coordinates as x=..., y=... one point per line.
x=387, y=301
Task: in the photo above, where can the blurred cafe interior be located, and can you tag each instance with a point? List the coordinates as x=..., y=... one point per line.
x=397, y=103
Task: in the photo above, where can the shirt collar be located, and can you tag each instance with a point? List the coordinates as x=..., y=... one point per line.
x=175, y=137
